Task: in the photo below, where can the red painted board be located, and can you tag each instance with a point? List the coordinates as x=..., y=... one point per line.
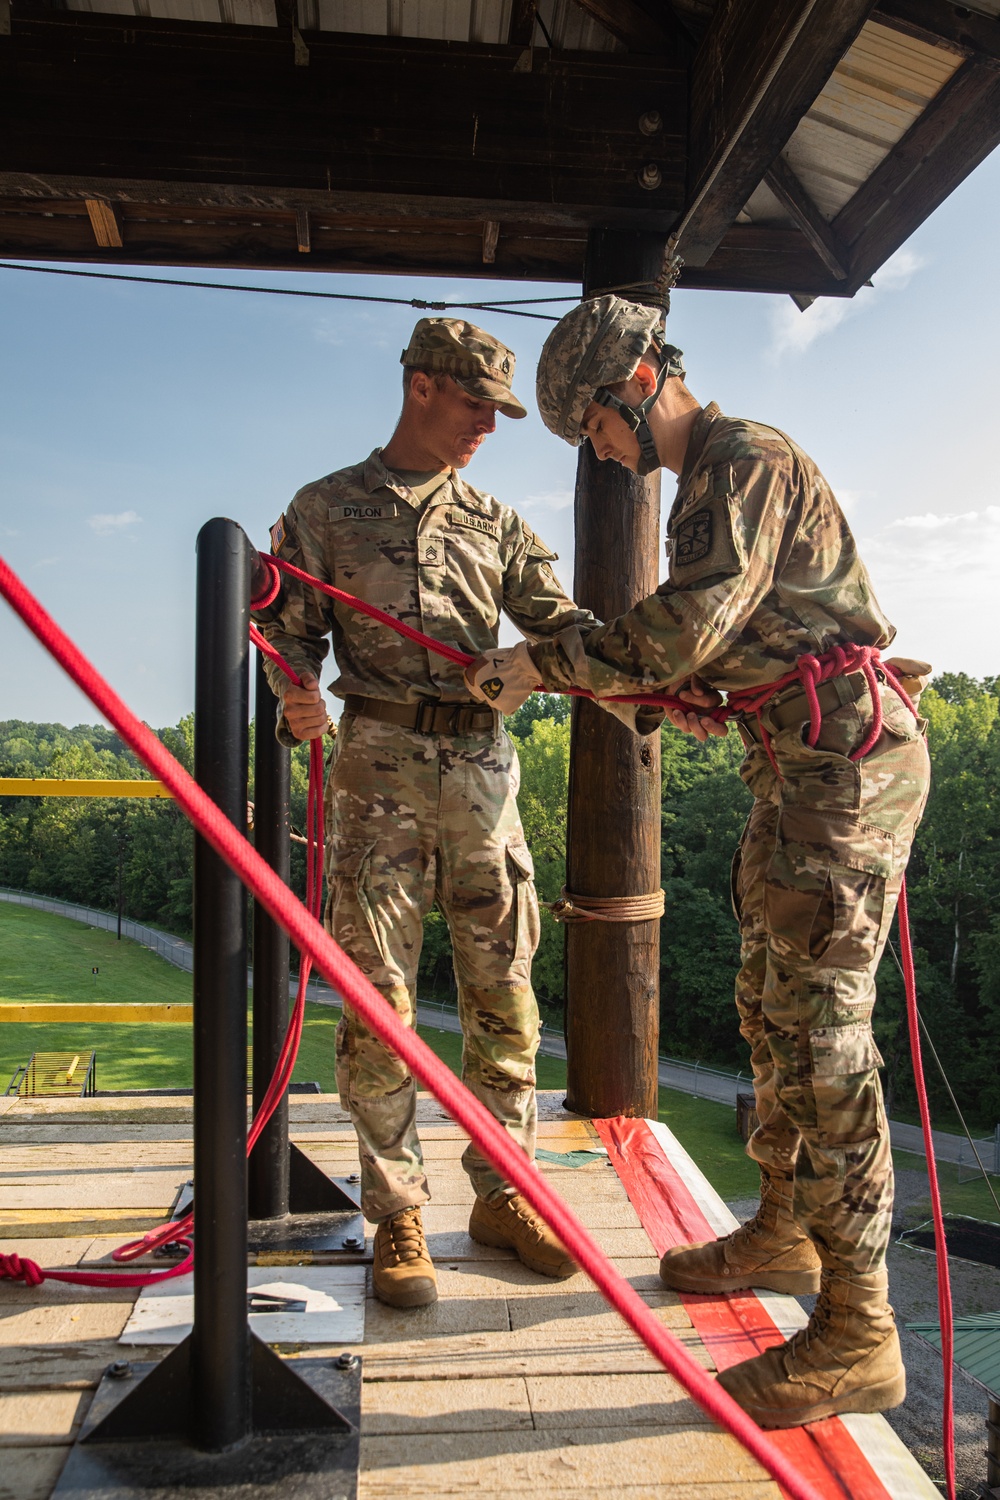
x=733, y=1326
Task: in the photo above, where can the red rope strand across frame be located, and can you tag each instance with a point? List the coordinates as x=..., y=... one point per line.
x=375, y=1013
x=315, y=945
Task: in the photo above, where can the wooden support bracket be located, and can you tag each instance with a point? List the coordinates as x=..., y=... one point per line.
x=106, y=222
x=790, y=193
x=303, y=232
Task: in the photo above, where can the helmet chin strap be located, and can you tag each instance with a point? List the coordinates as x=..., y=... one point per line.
x=636, y=418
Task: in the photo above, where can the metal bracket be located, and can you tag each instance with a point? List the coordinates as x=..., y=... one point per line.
x=136, y=1443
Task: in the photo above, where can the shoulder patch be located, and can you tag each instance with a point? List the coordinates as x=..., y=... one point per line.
x=278, y=535
x=475, y=522
x=379, y=510
x=704, y=536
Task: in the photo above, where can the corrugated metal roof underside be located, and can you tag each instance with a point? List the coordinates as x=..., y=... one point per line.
x=483, y=21
x=977, y=1347
x=877, y=91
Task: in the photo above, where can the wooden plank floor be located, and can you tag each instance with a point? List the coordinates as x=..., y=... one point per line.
x=509, y=1384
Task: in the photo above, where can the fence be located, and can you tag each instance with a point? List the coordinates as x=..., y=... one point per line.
x=989, y=1155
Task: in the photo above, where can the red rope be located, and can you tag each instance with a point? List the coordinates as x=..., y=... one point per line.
x=945, y=1314
x=375, y=1013
x=809, y=670
x=315, y=944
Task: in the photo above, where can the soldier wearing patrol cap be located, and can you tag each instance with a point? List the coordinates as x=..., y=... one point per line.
x=762, y=570
x=421, y=794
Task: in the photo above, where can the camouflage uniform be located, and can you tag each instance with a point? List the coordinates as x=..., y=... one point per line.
x=763, y=568
x=418, y=817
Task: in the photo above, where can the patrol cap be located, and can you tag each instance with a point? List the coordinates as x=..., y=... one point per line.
x=475, y=360
x=597, y=344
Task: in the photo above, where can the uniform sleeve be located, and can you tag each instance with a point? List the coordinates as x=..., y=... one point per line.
x=298, y=622
x=727, y=541
x=533, y=597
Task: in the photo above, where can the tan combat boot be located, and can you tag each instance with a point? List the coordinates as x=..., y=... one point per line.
x=769, y=1251
x=403, y=1273
x=512, y=1224
x=846, y=1359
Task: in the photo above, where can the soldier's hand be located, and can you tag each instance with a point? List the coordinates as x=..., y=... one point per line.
x=305, y=709
x=693, y=690
x=503, y=678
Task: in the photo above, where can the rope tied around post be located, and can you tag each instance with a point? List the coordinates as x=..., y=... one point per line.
x=572, y=907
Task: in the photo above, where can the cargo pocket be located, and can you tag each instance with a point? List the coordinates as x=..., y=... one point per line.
x=844, y=1062
x=348, y=871
x=524, y=920
x=824, y=892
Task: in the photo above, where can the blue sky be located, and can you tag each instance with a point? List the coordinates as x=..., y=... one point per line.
x=131, y=414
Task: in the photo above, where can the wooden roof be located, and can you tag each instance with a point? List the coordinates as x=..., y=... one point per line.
x=793, y=144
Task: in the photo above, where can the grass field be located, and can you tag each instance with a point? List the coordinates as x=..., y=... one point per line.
x=44, y=957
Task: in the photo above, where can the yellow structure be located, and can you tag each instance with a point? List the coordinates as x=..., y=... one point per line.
x=122, y=1015
x=51, y=786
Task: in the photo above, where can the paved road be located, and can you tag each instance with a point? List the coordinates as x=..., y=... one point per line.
x=687, y=1078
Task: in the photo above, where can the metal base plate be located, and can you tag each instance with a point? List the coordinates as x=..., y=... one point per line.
x=269, y=1466
x=336, y=1233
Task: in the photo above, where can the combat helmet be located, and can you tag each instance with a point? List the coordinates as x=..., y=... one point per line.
x=597, y=345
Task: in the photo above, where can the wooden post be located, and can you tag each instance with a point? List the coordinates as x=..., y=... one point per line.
x=612, y=968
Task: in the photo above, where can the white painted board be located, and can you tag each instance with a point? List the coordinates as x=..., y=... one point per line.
x=334, y=1312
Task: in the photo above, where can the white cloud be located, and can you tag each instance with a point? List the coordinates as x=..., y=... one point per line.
x=792, y=332
x=104, y=522
x=937, y=577
x=898, y=270
x=550, y=500
x=931, y=522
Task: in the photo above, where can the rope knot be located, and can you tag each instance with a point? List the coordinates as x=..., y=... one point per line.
x=14, y=1268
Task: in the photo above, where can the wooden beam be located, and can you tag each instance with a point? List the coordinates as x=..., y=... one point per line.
x=349, y=235
x=105, y=222
x=957, y=130
x=522, y=23
x=138, y=97
x=790, y=193
x=642, y=29
x=758, y=69
x=303, y=231
x=943, y=25
x=613, y=836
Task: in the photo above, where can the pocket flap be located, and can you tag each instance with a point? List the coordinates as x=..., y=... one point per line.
x=520, y=857
x=840, y=1050
x=814, y=840
x=347, y=856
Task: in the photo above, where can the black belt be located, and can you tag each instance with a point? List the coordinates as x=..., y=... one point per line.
x=795, y=710
x=425, y=718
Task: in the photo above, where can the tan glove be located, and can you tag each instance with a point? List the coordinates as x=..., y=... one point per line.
x=503, y=678
x=913, y=675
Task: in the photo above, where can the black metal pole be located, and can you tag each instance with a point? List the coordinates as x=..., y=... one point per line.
x=272, y=784
x=220, y=1358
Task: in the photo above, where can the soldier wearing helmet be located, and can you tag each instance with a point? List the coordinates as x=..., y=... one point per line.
x=421, y=792
x=762, y=570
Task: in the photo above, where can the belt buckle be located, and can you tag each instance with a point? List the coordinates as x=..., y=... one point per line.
x=424, y=722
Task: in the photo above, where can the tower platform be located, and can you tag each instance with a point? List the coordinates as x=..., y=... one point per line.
x=508, y=1385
